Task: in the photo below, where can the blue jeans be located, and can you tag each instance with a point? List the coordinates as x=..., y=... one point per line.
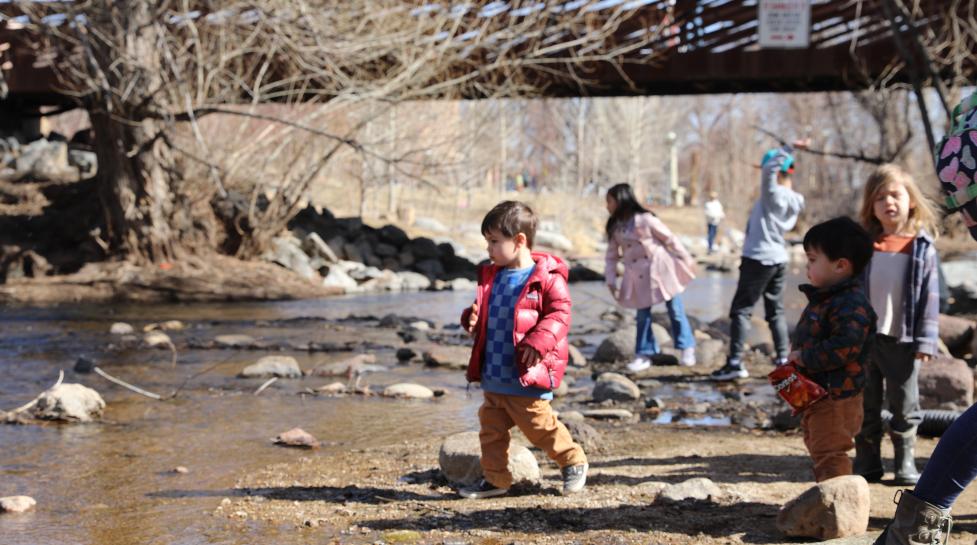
x=647, y=345
x=953, y=464
x=711, y=235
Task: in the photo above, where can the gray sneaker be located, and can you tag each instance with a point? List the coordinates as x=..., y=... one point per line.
x=482, y=489
x=574, y=478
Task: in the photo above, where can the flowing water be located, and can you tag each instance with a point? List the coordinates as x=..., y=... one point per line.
x=112, y=483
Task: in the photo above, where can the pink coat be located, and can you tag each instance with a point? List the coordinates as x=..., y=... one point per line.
x=657, y=267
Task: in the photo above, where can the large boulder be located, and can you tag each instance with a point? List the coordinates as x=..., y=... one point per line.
x=460, y=460
x=338, y=278
x=835, y=508
x=273, y=366
x=962, y=283
x=393, y=235
x=957, y=333
x=619, y=346
x=287, y=252
x=615, y=387
x=946, y=383
x=69, y=403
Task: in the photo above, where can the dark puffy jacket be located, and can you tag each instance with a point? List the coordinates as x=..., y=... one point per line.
x=835, y=335
x=542, y=321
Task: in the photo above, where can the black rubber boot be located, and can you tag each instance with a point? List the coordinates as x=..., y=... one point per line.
x=905, y=459
x=868, y=459
x=916, y=522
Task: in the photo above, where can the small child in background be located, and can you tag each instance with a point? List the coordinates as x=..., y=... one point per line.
x=832, y=341
x=714, y=216
x=902, y=282
x=520, y=321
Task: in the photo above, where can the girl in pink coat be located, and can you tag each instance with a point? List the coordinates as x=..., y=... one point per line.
x=657, y=268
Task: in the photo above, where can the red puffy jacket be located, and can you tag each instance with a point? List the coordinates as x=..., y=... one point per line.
x=542, y=321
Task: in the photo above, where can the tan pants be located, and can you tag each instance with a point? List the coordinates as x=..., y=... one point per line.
x=830, y=426
x=535, y=418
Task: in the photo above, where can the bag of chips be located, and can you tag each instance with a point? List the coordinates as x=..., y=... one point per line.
x=799, y=391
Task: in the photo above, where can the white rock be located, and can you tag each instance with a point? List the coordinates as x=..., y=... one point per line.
x=273, y=366
x=430, y=224
x=296, y=437
x=608, y=414
x=700, y=488
x=70, y=402
x=410, y=391
x=337, y=278
x=460, y=456
x=234, y=341
x=411, y=280
x=121, y=328
x=835, y=508
x=16, y=504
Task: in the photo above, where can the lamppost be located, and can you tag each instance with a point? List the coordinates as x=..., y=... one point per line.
x=677, y=193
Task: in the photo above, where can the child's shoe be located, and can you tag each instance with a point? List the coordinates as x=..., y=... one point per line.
x=482, y=489
x=730, y=371
x=688, y=357
x=574, y=478
x=640, y=363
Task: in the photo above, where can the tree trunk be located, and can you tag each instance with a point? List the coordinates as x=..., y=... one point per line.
x=152, y=214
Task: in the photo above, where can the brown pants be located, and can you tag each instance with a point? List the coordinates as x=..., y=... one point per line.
x=830, y=426
x=535, y=418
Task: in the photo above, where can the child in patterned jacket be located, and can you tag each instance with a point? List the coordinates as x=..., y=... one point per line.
x=832, y=341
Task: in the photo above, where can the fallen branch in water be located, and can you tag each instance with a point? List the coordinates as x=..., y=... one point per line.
x=267, y=383
x=33, y=402
x=125, y=384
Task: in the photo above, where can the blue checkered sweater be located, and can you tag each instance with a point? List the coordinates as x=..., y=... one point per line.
x=500, y=372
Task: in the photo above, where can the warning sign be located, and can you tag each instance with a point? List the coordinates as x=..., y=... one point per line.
x=785, y=23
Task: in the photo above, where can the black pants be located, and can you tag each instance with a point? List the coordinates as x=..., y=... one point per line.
x=757, y=279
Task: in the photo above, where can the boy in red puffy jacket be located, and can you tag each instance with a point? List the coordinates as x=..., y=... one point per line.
x=520, y=320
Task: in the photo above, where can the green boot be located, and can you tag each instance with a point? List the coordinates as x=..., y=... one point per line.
x=906, y=473
x=916, y=523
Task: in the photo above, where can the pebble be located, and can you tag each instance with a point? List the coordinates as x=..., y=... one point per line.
x=16, y=504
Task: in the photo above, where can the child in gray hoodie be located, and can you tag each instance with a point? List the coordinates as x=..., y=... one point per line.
x=764, y=264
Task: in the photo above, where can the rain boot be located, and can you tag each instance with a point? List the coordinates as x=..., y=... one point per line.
x=916, y=522
x=868, y=459
x=905, y=459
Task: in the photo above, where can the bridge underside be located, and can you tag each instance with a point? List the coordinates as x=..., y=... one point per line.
x=699, y=47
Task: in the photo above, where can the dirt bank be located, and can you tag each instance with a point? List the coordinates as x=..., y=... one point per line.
x=395, y=494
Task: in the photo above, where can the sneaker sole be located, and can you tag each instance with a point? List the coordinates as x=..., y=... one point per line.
x=729, y=376
x=483, y=495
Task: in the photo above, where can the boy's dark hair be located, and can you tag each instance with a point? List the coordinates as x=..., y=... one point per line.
x=839, y=238
x=511, y=218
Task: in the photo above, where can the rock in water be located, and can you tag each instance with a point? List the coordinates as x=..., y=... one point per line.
x=617, y=347
x=409, y=391
x=121, y=328
x=273, y=366
x=296, y=437
x=16, y=504
x=70, y=403
x=234, y=341
x=460, y=454
x=836, y=508
x=615, y=387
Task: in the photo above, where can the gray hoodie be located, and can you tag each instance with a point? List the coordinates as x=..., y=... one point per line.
x=773, y=214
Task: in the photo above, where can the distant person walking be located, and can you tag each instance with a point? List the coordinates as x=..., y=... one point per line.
x=657, y=268
x=714, y=216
